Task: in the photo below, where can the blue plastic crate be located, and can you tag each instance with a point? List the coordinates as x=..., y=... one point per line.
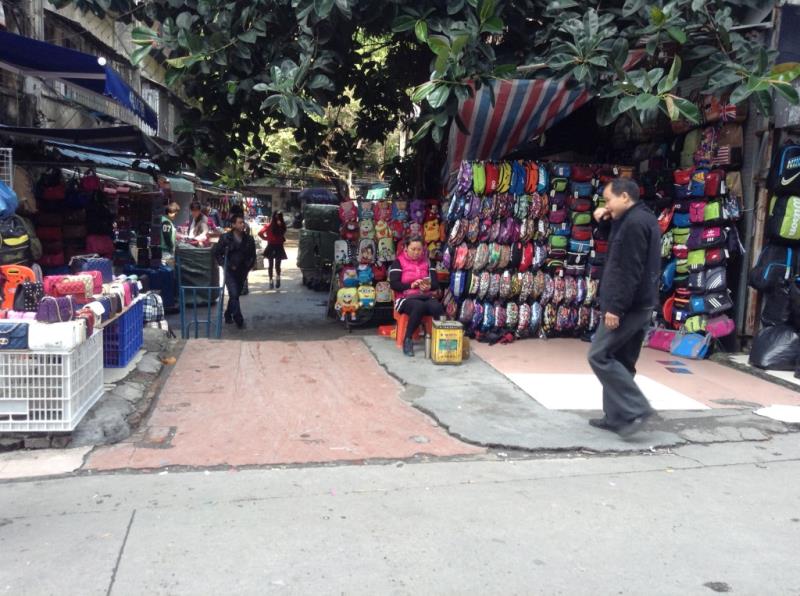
x=123, y=338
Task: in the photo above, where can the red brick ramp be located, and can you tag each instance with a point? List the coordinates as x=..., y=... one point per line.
x=271, y=402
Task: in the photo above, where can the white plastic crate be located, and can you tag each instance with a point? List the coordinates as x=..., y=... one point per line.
x=50, y=391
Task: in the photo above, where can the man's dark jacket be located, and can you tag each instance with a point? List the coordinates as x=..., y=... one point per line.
x=633, y=267
x=241, y=256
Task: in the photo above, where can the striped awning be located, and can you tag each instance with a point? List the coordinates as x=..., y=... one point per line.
x=523, y=109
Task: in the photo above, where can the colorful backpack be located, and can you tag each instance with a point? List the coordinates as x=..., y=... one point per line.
x=348, y=211
x=536, y=317
x=549, y=289
x=531, y=177
x=488, y=317
x=559, y=290
x=366, y=251
x=582, y=290
x=348, y=277
x=366, y=296
x=494, y=286
x=512, y=315
x=365, y=210
x=516, y=284
x=383, y=292
x=523, y=325
x=400, y=209
x=499, y=315
x=349, y=231
x=505, y=285
x=341, y=252
x=382, y=211
x=539, y=285
x=418, y=211
x=365, y=274
x=464, y=181
x=483, y=288
x=467, y=311
x=478, y=178
x=366, y=229
x=571, y=290
x=431, y=233
x=474, y=284
x=549, y=318
x=347, y=302
x=386, y=252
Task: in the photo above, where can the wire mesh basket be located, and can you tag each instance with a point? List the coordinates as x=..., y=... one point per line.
x=6, y=167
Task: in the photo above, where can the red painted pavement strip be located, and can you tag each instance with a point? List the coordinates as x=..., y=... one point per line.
x=708, y=382
x=242, y=403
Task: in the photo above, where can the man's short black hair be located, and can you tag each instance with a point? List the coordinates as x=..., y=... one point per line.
x=628, y=185
x=236, y=216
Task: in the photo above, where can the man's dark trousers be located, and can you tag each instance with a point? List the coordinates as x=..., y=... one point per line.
x=234, y=282
x=613, y=357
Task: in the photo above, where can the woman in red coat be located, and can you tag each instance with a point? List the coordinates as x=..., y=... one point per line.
x=274, y=234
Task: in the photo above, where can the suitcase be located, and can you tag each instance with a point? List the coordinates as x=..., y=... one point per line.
x=160, y=279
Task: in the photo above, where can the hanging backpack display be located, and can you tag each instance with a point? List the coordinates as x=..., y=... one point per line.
x=784, y=178
x=783, y=224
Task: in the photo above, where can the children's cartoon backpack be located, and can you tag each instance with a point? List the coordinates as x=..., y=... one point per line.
x=415, y=229
x=366, y=251
x=524, y=322
x=349, y=231
x=386, y=252
x=365, y=274
x=473, y=230
x=398, y=229
x=365, y=210
x=435, y=251
x=383, y=292
x=366, y=228
x=432, y=210
x=348, y=277
x=382, y=211
x=418, y=211
x=347, y=303
x=400, y=209
x=341, y=252
x=382, y=229
x=432, y=230
x=366, y=296
x=516, y=284
x=348, y=211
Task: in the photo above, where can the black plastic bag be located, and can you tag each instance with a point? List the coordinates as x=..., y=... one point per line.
x=775, y=348
x=777, y=306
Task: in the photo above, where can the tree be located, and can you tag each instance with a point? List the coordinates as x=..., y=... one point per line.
x=252, y=68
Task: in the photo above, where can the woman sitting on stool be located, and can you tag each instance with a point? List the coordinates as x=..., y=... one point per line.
x=414, y=282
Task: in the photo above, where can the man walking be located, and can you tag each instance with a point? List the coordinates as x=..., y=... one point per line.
x=240, y=250
x=628, y=294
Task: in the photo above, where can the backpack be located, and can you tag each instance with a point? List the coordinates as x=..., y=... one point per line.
x=494, y=286
x=559, y=290
x=783, y=223
x=464, y=182
x=485, y=282
x=365, y=211
x=347, y=302
x=365, y=274
x=348, y=277
x=418, y=211
x=382, y=229
x=382, y=211
x=543, y=182
x=341, y=252
x=531, y=177
x=458, y=283
x=431, y=229
x=709, y=280
x=386, y=252
x=549, y=316
x=366, y=251
x=775, y=264
x=366, y=296
x=518, y=179
x=526, y=262
x=536, y=317
x=15, y=243
x=383, y=292
x=570, y=290
x=467, y=311
x=153, y=308
x=784, y=176
x=524, y=321
x=488, y=317
x=400, y=209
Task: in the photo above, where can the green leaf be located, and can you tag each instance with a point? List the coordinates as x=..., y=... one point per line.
x=619, y=52
x=723, y=78
x=787, y=91
x=438, y=96
x=677, y=34
x=250, y=36
x=580, y=72
x=421, y=132
x=436, y=134
x=647, y=101
x=288, y=106
x=403, y=23
x=598, y=61
x=672, y=110
x=143, y=34
x=657, y=16
x=631, y=7
x=610, y=91
x=321, y=81
x=763, y=102
x=421, y=30
x=440, y=64
x=184, y=20
x=422, y=91
x=323, y=9
x=668, y=82
x=473, y=3
x=626, y=103
x=439, y=44
x=178, y=63
x=741, y=93
x=139, y=54
x=458, y=44
x=262, y=87
x=345, y=8
x=688, y=110
x=486, y=10
x=503, y=71
x=493, y=25
x=785, y=72
x=454, y=6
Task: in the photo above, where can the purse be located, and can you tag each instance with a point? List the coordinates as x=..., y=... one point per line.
x=690, y=345
x=13, y=335
x=55, y=310
x=720, y=326
x=27, y=296
x=56, y=336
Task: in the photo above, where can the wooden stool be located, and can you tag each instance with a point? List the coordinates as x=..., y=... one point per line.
x=402, y=326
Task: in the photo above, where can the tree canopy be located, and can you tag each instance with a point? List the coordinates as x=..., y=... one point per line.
x=252, y=67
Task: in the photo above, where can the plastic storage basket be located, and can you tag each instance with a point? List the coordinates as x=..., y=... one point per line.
x=50, y=390
x=123, y=338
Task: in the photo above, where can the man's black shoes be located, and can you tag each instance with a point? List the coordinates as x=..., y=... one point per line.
x=228, y=320
x=625, y=429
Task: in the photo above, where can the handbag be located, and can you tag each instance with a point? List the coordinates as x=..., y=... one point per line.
x=56, y=336
x=13, y=336
x=55, y=310
x=27, y=296
x=720, y=326
x=690, y=345
x=661, y=339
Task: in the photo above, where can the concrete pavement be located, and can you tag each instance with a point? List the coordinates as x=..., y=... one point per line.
x=697, y=520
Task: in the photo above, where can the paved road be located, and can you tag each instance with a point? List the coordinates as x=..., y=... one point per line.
x=701, y=520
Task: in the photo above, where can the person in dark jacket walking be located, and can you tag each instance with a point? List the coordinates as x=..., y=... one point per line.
x=240, y=250
x=628, y=294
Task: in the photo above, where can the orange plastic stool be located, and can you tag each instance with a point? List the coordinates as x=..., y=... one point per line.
x=402, y=325
x=15, y=275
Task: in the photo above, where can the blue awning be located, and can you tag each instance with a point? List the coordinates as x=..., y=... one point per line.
x=31, y=57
